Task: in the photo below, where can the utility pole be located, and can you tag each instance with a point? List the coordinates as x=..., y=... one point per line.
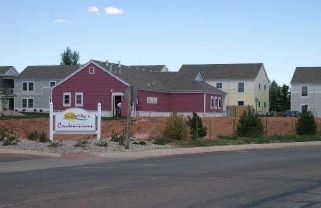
x=128, y=116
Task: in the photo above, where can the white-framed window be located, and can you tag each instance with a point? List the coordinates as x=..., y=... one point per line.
x=219, y=102
x=27, y=103
x=219, y=85
x=212, y=102
x=66, y=99
x=52, y=83
x=91, y=70
x=79, y=99
x=304, y=91
x=304, y=107
x=240, y=87
x=28, y=86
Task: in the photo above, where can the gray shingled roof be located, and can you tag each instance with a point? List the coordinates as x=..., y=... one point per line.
x=151, y=68
x=307, y=75
x=4, y=69
x=160, y=81
x=222, y=71
x=47, y=72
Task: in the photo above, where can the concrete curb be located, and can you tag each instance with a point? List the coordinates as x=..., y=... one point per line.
x=163, y=152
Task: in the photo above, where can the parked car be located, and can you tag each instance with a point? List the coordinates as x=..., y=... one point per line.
x=290, y=113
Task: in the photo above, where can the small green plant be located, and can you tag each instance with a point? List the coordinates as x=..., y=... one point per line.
x=250, y=125
x=54, y=145
x=306, y=124
x=176, y=128
x=3, y=133
x=102, y=144
x=81, y=143
x=120, y=138
x=10, y=140
x=33, y=136
x=140, y=143
x=196, y=125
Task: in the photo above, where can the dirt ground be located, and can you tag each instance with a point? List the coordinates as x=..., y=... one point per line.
x=149, y=128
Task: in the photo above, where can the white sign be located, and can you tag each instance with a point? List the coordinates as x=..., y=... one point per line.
x=151, y=100
x=75, y=119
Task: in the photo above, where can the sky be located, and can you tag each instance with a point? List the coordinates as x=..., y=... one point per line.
x=281, y=34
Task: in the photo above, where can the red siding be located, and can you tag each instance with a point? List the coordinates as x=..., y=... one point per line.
x=96, y=88
x=175, y=102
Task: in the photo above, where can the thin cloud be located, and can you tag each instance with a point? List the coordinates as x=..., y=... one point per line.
x=60, y=20
x=94, y=9
x=113, y=11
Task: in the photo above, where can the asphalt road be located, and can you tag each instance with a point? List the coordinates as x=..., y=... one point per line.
x=286, y=177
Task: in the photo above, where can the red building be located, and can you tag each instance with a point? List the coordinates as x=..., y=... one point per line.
x=156, y=93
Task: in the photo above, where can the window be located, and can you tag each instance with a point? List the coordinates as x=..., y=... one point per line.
x=240, y=103
x=52, y=83
x=91, y=70
x=66, y=101
x=219, y=103
x=259, y=104
x=219, y=85
x=259, y=86
x=241, y=87
x=212, y=102
x=304, y=91
x=27, y=102
x=264, y=86
x=27, y=86
x=304, y=107
x=264, y=104
x=79, y=99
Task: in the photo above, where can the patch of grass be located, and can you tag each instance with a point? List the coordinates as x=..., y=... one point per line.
x=207, y=142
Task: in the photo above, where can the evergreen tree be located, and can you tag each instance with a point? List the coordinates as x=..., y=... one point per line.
x=196, y=125
x=250, y=125
x=285, y=98
x=306, y=124
x=274, y=98
x=69, y=57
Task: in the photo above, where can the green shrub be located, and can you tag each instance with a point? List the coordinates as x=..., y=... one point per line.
x=250, y=125
x=33, y=136
x=120, y=138
x=102, y=144
x=306, y=124
x=36, y=136
x=43, y=137
x=54, y=145
x=176, y=128
x=196, y=125
x=10, y=140
x=4, y=133
x=81, y=143
x=140, y=143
